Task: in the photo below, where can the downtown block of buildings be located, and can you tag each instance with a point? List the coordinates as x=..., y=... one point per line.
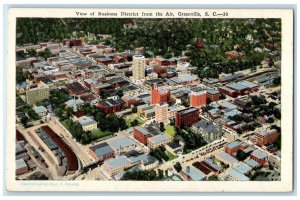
x=162, y=91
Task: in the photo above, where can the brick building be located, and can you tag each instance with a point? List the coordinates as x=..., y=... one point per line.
x=212, y=95
x=266, y=136
x=235, y=146
x=186, y=117
x=141, y=134
x=101, y=152
x=198, y=98
x=159, y=95
x=75, y=88
x=260, y=157
x=109, y=106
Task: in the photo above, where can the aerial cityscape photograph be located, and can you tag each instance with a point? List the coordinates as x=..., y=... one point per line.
x=148, y=99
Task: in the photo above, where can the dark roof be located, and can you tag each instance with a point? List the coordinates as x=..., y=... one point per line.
x=187, y=110
x=75, y=87
x=72, y=159
x=101, y=150
x=174, y=145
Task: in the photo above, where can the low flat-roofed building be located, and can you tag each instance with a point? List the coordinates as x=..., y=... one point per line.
x=191, y=173
x=260, y=157
x=116, y=165
x=158, y=140
x=122, y=144
x=87, y=123
x=233, y=175
x=226, y=158
x=252, y=163
x=243, y=168
x=21, y=167
x=101, y=152
x=234, y=146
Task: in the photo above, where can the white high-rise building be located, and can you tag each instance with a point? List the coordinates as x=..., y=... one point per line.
x=161, y=112
x=138, y=68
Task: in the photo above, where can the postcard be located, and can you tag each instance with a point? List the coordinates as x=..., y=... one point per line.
x=154, y=100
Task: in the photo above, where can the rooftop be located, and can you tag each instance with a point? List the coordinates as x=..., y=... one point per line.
x=142, y=130
x=239, y=176
x=252, y=163
x=159, y=138
x=84, y=121
x=235, y=144
x=187, y=110
x=259, y=154
x=248, y=84
x=118, y=161
x=242, y=168
x=237, y=86
x=40, y=109
x=20, y=164
x=227, y=157
x=194, y=173
x=101, y=149
x=121, y=142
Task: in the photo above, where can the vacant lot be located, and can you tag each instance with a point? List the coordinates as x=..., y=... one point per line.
x=133, y=117
x=170, y=130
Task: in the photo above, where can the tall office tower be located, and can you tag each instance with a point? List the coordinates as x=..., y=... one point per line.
x=159, y=95
x=138, y=67
x=161, y=112
x=198, y=98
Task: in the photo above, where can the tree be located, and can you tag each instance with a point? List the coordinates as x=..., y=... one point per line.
x=104, y=94
x=120, y=93
x=135, y=122
x=134, y=109
x=162, y=127
x=178, y=167
x=160, y=174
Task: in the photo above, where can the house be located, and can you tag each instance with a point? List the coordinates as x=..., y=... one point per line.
x=22, y=87
x=87, y=123
x=41, y=111
x=191, y=173
x=174, y=148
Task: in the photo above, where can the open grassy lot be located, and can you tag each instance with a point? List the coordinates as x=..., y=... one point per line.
x=170, y=130
x=171, y=156
x=97, y=133
x=133, y=117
